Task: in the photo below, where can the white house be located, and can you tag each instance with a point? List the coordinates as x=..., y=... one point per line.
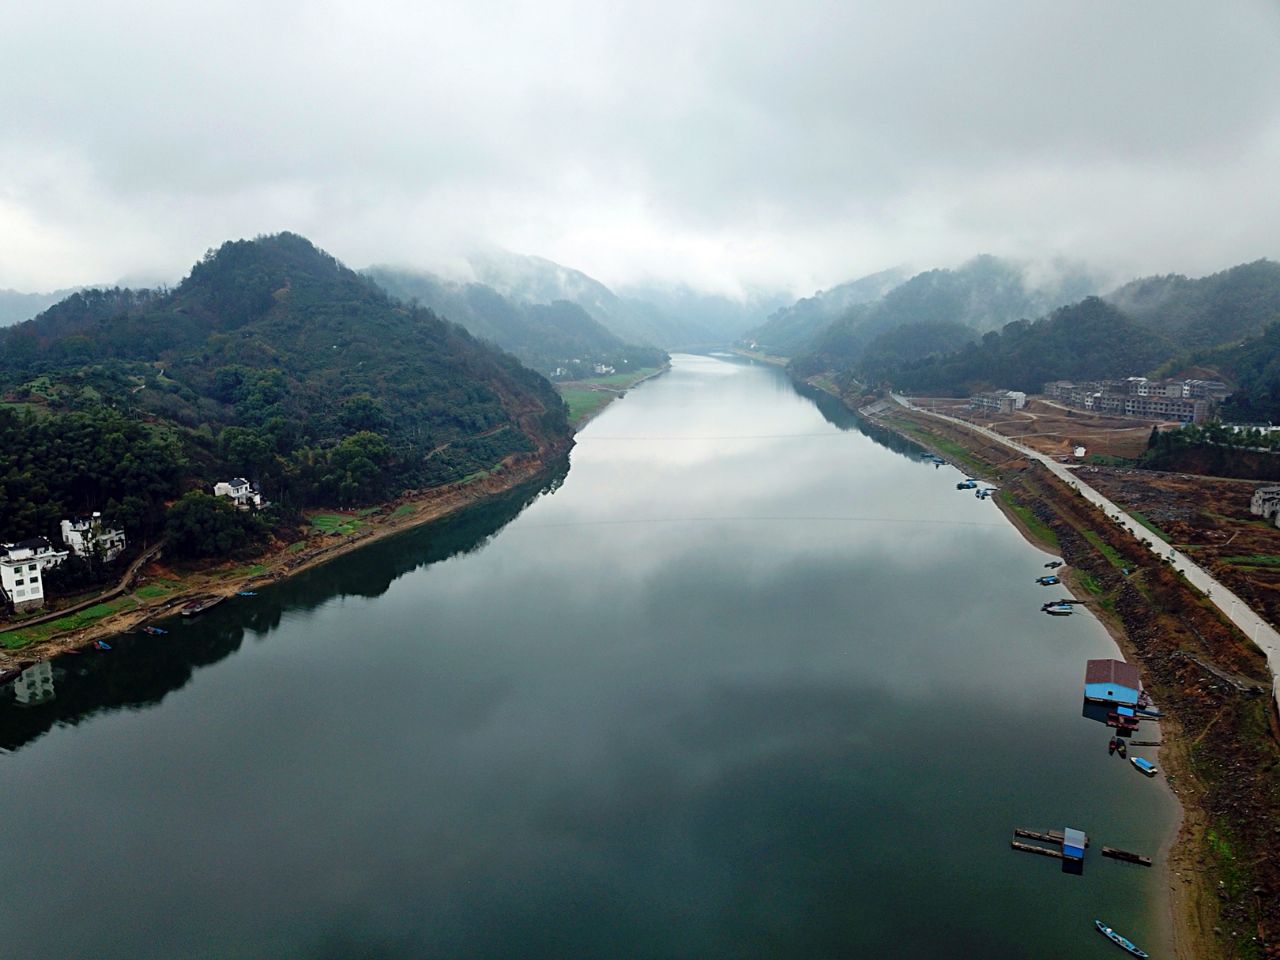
x=82, y=535
x=240, y=491
x=22, y=566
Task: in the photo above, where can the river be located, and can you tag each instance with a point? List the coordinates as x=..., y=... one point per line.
x=742, y=682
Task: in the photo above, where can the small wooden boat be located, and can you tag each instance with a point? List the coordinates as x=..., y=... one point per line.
x=1122, y=942
x=200, y=605
x=101, y=645
x=1146, y=766
x=1120, y=747
x=1112, y=744
x=1058, y=609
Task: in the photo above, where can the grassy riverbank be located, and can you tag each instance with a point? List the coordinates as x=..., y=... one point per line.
x=586, y=398
x=1220, y=754
x=163, y=588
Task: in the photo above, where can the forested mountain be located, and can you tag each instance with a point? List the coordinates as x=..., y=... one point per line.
x=790, y=330
x=274, y=361
x=983, y=294
x=1253, y=366
x=1218, y=309
x=909, y=344
x=16, y=307
x=560, y=340
x=1086, y=340
x=528, y=279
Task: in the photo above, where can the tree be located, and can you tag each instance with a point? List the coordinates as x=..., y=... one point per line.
x=1154, y=438
x=200, y=525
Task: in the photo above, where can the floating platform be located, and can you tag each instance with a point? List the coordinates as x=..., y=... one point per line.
x=1127, y=855
x=1048, y=836
x=1032, y=848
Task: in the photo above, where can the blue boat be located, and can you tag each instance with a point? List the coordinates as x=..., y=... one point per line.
x=102, y=645
x=246, y=593
x=154, y=631
x=1122, y=942
x=1058, y=609
x=1146, y=766
x=1049, y=580
x=966, y=484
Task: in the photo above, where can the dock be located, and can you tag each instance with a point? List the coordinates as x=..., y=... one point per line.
x=1126, y=855
x=1032, y=848
x=1146, y=743
x=1049, y=836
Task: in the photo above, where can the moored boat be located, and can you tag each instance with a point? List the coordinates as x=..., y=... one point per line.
x=200, y=605
x=1058, y=609
x=1124, y=943
x=1120, y=747
x=154, y=631
x=1146, y=766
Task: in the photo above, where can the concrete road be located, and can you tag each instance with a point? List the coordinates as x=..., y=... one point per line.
x=1236, y=610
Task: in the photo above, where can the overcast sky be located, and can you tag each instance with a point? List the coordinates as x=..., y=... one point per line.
x=721, y=143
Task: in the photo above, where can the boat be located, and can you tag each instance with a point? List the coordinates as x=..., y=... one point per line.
x=101, y=645
x=1053, y=564
x=246, y=593
x=200, y=605
x=1058, y=609
x=1048, y=580
x=966, y=484
x=1111, y=745
x=154, y=631
x=1122, y=942
x=1121, y=748
x=1146, y=766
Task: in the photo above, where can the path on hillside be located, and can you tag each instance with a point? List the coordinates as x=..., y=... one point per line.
x=1236, y=610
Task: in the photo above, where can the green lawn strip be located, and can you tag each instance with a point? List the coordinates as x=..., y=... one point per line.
x=1090, y=583
x=583, y=403
x=1039, y=529
x=335, y=523
x=1254, y=560
x=403, y=510
x=157, y=588
x=15, y=639
x=1105, y=549
x=1150, y=526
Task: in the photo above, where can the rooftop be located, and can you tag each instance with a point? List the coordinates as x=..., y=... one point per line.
x=1111, y=671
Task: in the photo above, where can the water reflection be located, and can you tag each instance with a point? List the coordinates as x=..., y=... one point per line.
x=140, y=670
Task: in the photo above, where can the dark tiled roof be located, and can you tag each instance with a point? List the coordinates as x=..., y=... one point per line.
x=239, y=482
x=35, y=543
x=1111, y=671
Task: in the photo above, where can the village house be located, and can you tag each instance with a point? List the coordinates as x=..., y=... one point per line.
x=240, y=491
x=999, y=401
x=1265, y=503
x=82, y=536
x=22, y=566
x=1188, y=401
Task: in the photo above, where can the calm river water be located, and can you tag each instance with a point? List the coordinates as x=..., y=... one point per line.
x=746, y=683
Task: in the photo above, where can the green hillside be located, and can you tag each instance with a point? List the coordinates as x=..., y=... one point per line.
x=274, y=361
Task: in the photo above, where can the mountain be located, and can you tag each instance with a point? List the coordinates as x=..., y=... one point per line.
x=983, y=294
x=789, y=330
x=1222, y=308
x=16, y=307
x=274, y=361
x=528, y=279
x=1087, y=340
x=559, y=339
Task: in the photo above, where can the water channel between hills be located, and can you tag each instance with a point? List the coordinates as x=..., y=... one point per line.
x=746, y=683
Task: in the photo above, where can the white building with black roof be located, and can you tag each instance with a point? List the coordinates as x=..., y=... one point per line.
x=22, y=567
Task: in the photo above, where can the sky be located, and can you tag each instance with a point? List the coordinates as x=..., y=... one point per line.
x=726, y=144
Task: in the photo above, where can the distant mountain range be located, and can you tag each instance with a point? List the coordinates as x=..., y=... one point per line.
x=1223, y=324
x=558, y=339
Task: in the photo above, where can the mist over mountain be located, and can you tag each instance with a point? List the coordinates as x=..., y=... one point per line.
x=532, y=279
x=16, y=307
x=558, y=339
x=983, y=294
x=723, y=318
x=1222, y=307
x=789, y=329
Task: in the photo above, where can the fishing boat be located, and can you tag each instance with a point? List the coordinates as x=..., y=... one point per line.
x=154, y=631
x=1111, y=745
x=966, y=484
x=246, y=593
x=101, y=645
x=1120, y=747
x=1048, y=580
x=1146, y=766
x=1053, y=564
x=1058, y=609
x=1122, y=942
x=199, y=606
